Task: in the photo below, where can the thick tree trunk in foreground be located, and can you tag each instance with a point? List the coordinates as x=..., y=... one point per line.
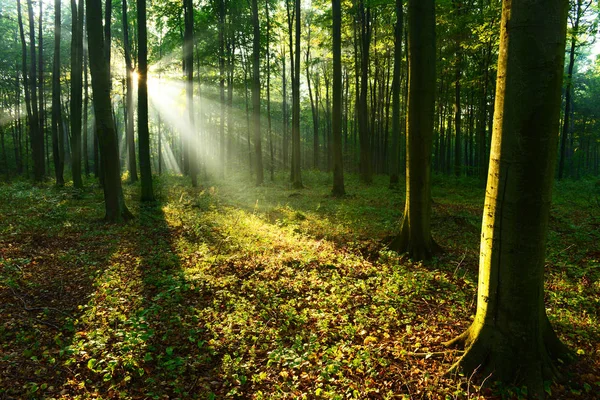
x=415, y=230
x=143, y=132
x=336, y=122
x=116, y=210
x=511, y=338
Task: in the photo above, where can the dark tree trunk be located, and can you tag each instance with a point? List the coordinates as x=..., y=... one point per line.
x=76, y=90
x=415, y=230
x=366, y=169
x=116, y=210
x=190, y=163
x=130, y=135
x=336, y=123
x=270, y=132
x=296, y=150
x=256, y=93
x=395, y=152
x=143, y=131
x=222, y=85
x=59, y=162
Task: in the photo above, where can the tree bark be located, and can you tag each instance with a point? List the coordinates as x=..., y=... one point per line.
x=256, y=94
x=76, y=90
x=336, y=121
x=366, y=169
x=415, y=230
x=130, y=135
x=116, y=210
x=59, y=162
x=143, y=131
x=395, y=151
x=511, y=339
x=296, y=150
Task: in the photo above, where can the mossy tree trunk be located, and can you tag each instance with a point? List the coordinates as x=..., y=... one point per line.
x=116, y=210
x=415, y=231
x=511, y=337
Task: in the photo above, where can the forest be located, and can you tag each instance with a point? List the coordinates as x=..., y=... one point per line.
x=299, y=199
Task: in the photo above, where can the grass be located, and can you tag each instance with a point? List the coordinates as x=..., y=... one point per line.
x=233, y=291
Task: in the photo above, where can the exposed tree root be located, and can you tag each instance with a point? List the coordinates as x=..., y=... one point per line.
x=489, y=353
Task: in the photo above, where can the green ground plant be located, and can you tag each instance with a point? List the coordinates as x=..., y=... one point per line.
x=236, y=291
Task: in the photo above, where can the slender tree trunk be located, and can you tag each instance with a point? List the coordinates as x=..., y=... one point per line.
x=76, y=90
x=567, y=115
x=270, y=132
x=190, y=150
x=366, y=169
x=222, y=85
x=336, y=123
x=415, y=230
x=35, y=134
x=511, y=339
x=296, y=150
x=56, y=93
x=143, y=131
x=129, y=123
x=116, y=210
x=284, y=102
x=42, y=112
x=315, y=110
x=395, y=153
x=256, y=93
x=86, y=158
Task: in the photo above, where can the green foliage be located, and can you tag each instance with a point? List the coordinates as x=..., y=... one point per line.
x=238, y=291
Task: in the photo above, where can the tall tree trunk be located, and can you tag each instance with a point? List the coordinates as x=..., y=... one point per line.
x=222, y=85
x=511, y=339
x=567, y=115
x=415, y=230
x=129, y=123
x=190, y=151
x=296, y=150
x=336, y=123
x=284, y=102
x=41, y=107
x=86, y=158
x=59, y=162
x=143, y=131
x=457, y=102
x=315, y=110
x=76, y=90
x=395, y=152
x=270, y=132
x=256, y=93
x=116, y=210
x=366, y=169
x=35, y=132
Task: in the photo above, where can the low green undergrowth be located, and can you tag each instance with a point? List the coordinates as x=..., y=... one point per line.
x=234, y=291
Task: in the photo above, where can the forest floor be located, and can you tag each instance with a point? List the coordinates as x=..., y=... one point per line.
x=233, y=291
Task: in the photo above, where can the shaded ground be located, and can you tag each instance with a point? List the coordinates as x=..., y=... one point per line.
x=233, y=291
